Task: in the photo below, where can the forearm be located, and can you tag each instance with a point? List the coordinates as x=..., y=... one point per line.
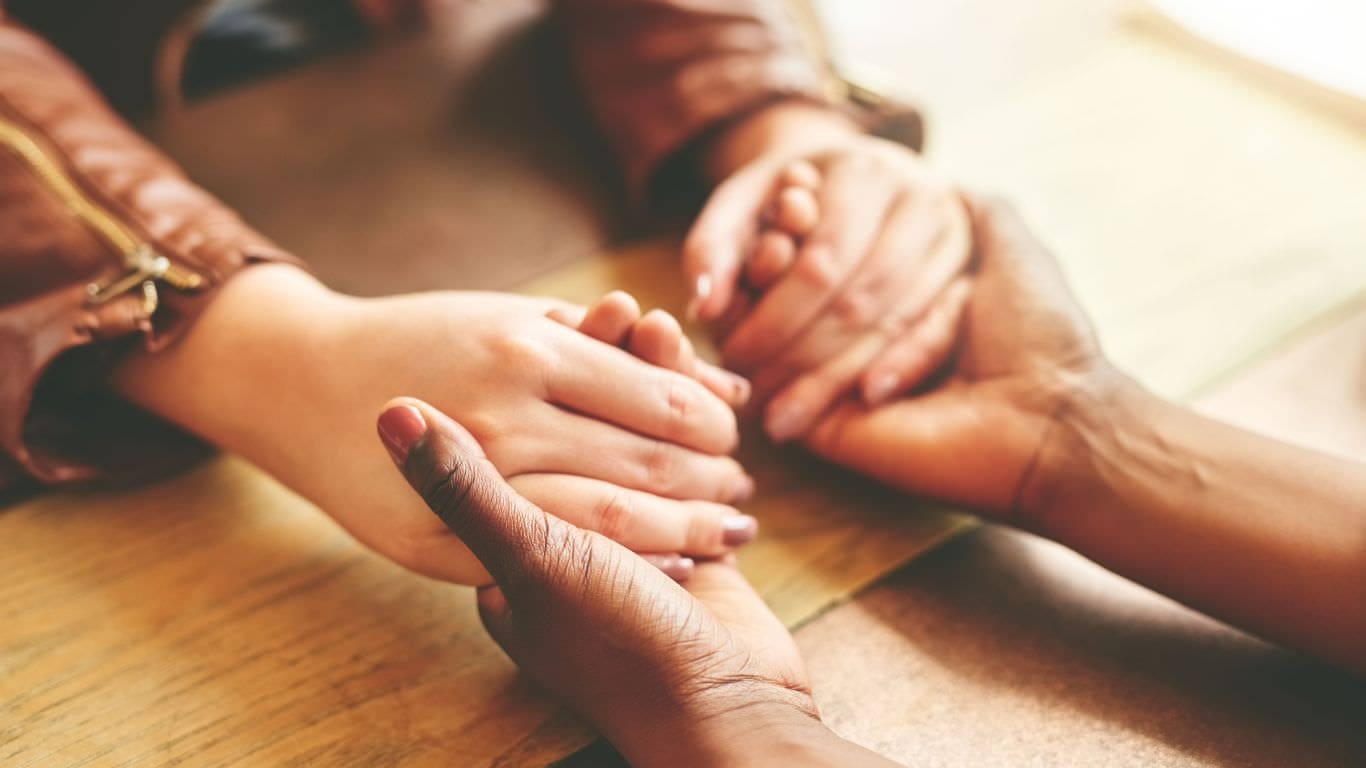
x=1265, y=535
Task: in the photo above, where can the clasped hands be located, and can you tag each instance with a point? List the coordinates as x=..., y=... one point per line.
x=695, y=669
x=702, y=673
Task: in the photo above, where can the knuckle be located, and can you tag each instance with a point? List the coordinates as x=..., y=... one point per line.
x=519, y=350
x=817, y=267
x=660, y=465
x=486, y=427
x=614, y=515
x=704, y=533
x=681, y=403
x=856, y=307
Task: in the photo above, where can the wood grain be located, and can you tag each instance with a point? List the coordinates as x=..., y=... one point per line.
x=218, y=619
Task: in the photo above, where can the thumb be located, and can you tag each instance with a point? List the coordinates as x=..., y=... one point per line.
x=513, y=538
x=718, y=243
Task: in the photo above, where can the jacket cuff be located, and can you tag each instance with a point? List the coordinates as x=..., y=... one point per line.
x=104, y=246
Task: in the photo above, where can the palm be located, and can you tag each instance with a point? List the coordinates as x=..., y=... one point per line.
x=765, y=649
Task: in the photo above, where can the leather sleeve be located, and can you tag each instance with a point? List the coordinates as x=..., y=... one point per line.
x=660, y=75
x=72, y=173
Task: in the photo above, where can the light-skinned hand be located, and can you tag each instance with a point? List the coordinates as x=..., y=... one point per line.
x=586, y=430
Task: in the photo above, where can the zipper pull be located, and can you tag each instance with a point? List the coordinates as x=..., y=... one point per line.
x=145, y=267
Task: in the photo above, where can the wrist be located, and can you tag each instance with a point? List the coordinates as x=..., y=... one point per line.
x=761, y=733
x=263, y=319
x=1107, y=415
x=787, y=127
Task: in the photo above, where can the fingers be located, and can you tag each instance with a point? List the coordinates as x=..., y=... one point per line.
x=676, y=567
x=801, y=173
x=773, y=257
x=793, y=215
x=659, y=340
x=611, y=319
x=853, y=205
x=611, y=385
x=583, y=446
x=441, y=461
x=570, y=316
x=639, y=521
x=909, y=360
x=796, y=211
x=800, y=404
x=656, y=338
x=923, y=246
x=724, y=232
x=899, y=356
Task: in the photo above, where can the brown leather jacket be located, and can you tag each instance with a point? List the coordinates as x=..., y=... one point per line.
x=105, y=244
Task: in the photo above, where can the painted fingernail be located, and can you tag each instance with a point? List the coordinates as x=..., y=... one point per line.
x=739, y=530
x=738, y=385
x=676, y=567
x=881, y=388
x=701, y=291
x=400, y=428
x=785, y=422
x=743, y=390
x=744, y=490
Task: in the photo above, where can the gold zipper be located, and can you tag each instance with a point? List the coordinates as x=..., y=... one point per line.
x=145, y=267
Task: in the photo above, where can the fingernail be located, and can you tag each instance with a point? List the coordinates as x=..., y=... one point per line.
x=676, y=567
x=700, y=293
x=744, y=490
x=400, y=428
x=881, y=388
x=785, y=422
x=739, y=530
x=743, y=390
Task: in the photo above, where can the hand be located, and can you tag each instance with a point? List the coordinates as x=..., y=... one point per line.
x=655, y=337
x=587, y=431
x=880, y=238
x=1027, y=355
x=706, y=676
x=1034, y=425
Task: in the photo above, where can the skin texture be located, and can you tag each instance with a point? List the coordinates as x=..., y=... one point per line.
x=702, y=676
x=1039, y=430
x=884, y=238
x=642, y=459
x=1034, y=427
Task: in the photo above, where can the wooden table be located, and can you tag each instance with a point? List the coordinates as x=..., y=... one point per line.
x=998, y=649
x=1004, y=649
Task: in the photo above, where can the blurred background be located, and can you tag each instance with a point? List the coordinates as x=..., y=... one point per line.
x=1199, y=165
